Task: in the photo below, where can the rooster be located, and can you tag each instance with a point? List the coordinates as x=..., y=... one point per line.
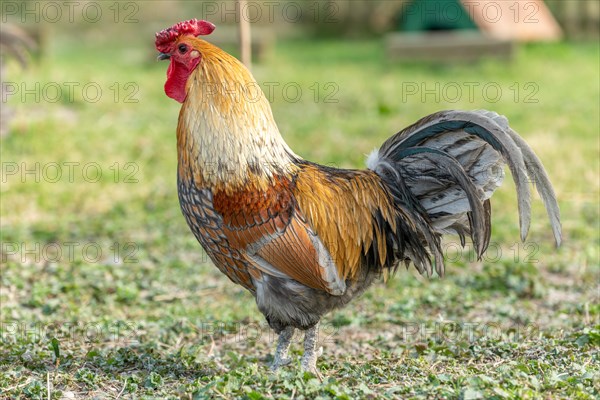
x=306, y=239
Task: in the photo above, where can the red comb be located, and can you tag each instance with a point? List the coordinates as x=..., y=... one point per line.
x=165, y=38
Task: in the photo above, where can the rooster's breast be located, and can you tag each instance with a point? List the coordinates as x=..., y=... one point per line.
x=207, y=226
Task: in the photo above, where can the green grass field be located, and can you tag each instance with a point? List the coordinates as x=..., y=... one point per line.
x=105, y=293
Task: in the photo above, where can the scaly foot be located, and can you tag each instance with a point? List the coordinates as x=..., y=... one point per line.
x=283, y=345
x=309, y=358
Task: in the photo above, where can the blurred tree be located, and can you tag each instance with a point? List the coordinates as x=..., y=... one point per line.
x=16, y=43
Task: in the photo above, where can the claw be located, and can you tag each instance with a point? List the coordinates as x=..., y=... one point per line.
x=276, y=364
x=313, y=370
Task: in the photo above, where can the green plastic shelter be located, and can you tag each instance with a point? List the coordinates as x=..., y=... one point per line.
x=435, y=15
x=523, y=21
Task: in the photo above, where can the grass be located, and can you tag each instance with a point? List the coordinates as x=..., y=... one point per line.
x=105, y=293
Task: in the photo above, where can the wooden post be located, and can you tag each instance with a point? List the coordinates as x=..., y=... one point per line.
x=245, y=40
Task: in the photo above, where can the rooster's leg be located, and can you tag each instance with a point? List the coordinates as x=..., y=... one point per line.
x=283, y=345
x=309, y=359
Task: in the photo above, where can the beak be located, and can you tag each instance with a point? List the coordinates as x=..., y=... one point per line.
x=163, y=56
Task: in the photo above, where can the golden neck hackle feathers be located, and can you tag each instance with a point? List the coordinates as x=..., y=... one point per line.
x=226, y=136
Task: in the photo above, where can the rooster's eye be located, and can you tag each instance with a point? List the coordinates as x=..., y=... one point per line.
x=182, y=48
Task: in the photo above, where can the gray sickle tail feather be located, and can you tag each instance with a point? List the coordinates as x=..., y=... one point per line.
x=445, y=168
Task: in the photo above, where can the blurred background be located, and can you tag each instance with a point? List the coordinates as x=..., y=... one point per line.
x=104, y=292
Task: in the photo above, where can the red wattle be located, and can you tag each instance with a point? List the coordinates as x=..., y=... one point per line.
x=177, y=76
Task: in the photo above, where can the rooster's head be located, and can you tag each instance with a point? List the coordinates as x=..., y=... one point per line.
x=179, y=44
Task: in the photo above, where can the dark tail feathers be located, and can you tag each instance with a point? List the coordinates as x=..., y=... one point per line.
x=443, y=169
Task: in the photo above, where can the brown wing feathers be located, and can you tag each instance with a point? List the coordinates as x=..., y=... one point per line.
x=268, y=229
